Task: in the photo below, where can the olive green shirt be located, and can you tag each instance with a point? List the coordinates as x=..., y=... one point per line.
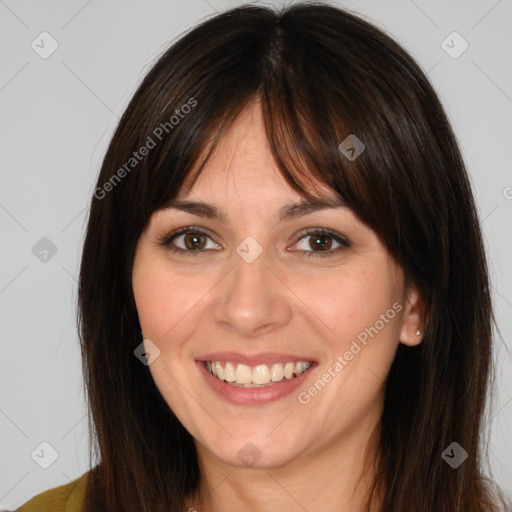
x=65, y=498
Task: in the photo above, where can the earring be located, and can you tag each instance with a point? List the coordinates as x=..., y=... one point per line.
x=419, y=333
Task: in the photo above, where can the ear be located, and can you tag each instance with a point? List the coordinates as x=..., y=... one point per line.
x=413, y=318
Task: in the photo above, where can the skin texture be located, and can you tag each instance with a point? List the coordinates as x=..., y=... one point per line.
x=312, y=455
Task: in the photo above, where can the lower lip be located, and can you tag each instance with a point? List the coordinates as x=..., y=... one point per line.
x=253, y=396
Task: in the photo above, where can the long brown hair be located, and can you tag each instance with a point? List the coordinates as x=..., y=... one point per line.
x=321, y=74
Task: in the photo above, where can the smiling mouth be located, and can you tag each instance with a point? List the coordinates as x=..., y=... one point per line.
x=242, y=375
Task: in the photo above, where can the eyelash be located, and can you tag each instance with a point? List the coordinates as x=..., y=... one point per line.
x=166, y=240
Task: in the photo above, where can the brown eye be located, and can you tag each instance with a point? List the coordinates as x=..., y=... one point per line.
x=194, y=241
x=188, y=241
x=321, y=242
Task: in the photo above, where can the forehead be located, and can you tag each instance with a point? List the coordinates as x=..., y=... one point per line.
x=243, y=149
x=242, y=165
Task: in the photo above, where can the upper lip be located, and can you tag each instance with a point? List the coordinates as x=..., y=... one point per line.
x=267, y=358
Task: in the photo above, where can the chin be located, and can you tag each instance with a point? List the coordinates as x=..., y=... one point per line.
x=255, y=452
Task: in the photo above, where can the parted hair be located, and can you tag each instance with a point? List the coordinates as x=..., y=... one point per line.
x=321, y=73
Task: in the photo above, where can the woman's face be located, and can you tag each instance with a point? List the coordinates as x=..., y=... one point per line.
x=258, y=295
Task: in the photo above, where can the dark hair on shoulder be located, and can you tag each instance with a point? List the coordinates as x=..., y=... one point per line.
x=321, y=74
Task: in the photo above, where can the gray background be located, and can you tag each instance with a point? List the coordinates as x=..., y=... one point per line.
x=58, y=114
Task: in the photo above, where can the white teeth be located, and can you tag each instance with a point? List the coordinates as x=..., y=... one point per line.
x=288, y=370
x=220, y=371
x=276, y=372
x=229, y=373
x=261, y=374
x=300, y=367
x=243, y=374
x=256, y=376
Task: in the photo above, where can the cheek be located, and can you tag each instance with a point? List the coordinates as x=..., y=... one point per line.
x=362, y=309
x=350, y=301
x=167, y=303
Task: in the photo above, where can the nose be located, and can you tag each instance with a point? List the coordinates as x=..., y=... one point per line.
x=252, y=298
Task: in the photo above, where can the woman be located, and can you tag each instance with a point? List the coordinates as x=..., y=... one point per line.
x=225, y=370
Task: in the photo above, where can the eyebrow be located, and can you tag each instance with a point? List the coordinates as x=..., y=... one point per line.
x=287, y=212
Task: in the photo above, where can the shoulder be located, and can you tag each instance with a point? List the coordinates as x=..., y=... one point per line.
x=65, y=498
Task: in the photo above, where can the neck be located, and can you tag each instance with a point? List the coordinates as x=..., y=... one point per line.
x=336, y=477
